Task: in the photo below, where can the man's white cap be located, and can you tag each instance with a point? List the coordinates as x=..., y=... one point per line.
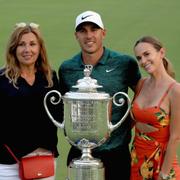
x=89, y=16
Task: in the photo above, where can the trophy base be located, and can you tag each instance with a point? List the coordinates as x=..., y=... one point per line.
x=91, y=169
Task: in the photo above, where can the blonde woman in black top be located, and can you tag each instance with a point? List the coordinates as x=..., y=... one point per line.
x=24, y=81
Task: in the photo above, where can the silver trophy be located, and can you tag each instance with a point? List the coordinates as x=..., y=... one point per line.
x=87, y=123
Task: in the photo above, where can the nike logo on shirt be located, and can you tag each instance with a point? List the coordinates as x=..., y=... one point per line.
x=109, y=70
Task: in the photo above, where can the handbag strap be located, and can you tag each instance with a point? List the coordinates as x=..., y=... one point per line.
x=10, y=151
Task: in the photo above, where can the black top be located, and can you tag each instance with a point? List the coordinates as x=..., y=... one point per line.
x=24, y=123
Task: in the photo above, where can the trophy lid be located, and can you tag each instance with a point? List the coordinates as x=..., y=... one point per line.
x=87, y=88
x=87, y=84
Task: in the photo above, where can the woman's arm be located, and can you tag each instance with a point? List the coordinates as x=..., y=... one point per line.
x=174, y=130
x=136, y=90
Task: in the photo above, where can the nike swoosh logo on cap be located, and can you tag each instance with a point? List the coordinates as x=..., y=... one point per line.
x=84, y=17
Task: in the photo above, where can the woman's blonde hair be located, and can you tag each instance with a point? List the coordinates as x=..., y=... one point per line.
x=157, y=45
x=12, y=69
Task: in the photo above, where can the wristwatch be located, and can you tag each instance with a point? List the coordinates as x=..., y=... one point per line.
x=163, y=176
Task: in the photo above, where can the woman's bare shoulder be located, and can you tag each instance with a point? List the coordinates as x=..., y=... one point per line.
x=175, y=91
x=139, y=84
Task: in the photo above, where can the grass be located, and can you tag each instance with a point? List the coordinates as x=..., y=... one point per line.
x=125, y=21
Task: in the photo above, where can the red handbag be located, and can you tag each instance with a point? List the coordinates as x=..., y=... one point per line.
x=35, y=167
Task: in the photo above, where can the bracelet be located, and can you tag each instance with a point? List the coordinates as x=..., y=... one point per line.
x=163, y=176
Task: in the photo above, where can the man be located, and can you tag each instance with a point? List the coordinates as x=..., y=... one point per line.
x=115, y=72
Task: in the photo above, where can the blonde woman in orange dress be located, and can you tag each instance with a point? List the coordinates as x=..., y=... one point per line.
x=156, y=113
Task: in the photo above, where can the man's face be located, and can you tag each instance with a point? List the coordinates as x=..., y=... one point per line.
x=90, y=37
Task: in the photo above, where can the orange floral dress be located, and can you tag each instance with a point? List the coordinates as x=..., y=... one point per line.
x=148, y=149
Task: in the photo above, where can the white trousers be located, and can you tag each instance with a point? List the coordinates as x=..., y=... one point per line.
x=9, y=172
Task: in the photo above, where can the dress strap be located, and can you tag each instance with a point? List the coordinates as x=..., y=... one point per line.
x=165, y=94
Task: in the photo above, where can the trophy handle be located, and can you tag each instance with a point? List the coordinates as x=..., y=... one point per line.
x=120, y=103
x=54, y=101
